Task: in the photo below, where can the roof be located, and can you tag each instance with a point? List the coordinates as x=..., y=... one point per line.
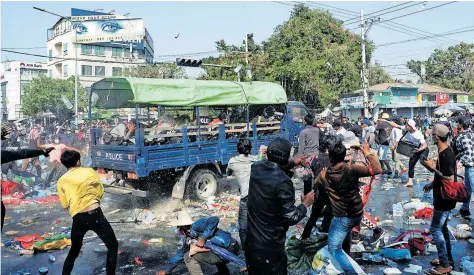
x=125, y=92
x=422, y=88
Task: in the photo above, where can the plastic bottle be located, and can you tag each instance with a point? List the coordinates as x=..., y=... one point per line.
x=52, y=258
x=391, y=263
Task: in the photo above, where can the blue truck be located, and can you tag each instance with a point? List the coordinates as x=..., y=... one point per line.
x=187, y=130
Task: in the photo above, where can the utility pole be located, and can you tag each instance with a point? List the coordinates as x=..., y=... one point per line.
x=365, y=27
x=75, y=76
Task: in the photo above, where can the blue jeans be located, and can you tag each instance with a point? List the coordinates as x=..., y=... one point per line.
x=339, y=233
x=243, y=220
x=469, y=184
x=440, y=233
x=382, y=152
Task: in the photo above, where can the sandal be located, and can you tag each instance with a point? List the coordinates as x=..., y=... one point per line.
x=433, y=271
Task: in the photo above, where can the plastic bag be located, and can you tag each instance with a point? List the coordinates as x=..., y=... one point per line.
x=396, y=254
x=301, y=252
x=324, y=262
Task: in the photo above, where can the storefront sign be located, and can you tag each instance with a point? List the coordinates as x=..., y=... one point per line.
x=96, y=17
x=30, y=65
x=463, y=99
x=442, y=99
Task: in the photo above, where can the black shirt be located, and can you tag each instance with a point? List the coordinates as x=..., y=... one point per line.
x=447, y=166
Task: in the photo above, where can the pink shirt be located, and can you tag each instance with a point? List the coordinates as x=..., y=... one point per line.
x=55, y=155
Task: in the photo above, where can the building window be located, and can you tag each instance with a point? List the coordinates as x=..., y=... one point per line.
x=99, y=71
x=65, y=49
x=117, y=52
x=86, y=70
x=116, y=71
x=99, y=50
x=65, y=71
x=404, y=94
x=50, y=73
x=50, y=54
x=86, y=49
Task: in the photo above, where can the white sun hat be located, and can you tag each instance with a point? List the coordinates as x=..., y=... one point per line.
x=183, y=218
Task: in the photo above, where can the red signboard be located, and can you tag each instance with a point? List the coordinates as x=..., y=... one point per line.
x=442, y=99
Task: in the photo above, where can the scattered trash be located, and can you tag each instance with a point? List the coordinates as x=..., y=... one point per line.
x=98, y=250
x=372, y=257
x=396, y=254
x=43, y=270
x=21, y=272
x=113, y=212
x=359, y=247
x=461, y=234
x=397, y=209
x=137, y=261
x=467, y=265
x=416, y=204
x=391, y=271
x=323, y=262
x=465, y=227
x=120, y=252
x=432, y=248
x=52, y=258
x=26, y=252
x=425, y=213
x=147, y=217
x=416, y=269
x=412, y=221
x=471, y=241
x=12, y=233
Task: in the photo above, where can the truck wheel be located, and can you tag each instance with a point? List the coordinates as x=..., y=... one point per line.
x=202, y=184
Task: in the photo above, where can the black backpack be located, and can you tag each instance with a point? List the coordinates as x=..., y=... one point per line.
x=382, y=135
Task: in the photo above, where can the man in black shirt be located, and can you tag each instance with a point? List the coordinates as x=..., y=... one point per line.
x=321, y=199
x=345, y=123
x=439, y=224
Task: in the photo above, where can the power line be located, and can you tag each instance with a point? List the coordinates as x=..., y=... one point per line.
x=406, y=31
x=83, y=59
x=32, y=48
x=416, y=4
x=423, y=38
x=438, y=6
x=357, y=17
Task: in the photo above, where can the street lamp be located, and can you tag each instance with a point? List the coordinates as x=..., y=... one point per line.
x=75, y=59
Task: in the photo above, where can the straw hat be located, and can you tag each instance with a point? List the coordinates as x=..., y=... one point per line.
x=183, y=218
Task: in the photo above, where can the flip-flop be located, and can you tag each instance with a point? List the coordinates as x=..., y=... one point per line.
x=408, y=185
x=433, y=271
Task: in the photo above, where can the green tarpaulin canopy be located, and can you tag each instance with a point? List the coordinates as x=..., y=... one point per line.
x=124, y=92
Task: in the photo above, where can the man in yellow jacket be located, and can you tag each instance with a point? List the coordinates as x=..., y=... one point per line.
x=80, y=190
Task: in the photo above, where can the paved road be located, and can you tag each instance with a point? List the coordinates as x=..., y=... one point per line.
x=155, y=257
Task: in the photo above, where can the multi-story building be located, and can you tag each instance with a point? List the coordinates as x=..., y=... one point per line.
x=18, y=75
x=106, y=45
x=3, y=100
x=402, y=99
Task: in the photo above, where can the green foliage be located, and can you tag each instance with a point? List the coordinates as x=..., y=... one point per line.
x=156, y=71
x=452, y=68
x=310, y=54
x=43, y=94
x=377, y=75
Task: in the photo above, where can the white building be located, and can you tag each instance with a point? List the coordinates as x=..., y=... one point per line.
x=96, y=59
x=17, y=75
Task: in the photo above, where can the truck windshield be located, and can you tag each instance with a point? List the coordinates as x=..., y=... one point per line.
x=298, y=113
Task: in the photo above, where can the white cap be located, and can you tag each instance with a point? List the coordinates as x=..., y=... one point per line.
x=183, y=218
x=412, y=124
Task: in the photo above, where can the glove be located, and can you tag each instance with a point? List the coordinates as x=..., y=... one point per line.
x=47, y=151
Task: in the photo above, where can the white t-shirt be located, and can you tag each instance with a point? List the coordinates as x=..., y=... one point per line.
x=396, y=134
x=415, y=137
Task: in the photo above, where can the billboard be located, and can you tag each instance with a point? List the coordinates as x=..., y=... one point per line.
x=94, y=31
x=442, y=99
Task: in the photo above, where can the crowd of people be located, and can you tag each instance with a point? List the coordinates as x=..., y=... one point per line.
x=338, y=162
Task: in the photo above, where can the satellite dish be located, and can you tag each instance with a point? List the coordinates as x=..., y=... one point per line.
x=238, y=69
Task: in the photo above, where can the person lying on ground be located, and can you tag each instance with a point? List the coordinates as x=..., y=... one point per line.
x=195, y=235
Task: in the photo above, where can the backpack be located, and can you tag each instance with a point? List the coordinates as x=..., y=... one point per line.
x=382, y=135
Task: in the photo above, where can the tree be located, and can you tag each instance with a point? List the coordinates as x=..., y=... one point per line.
x=311, y=55
x=452, y=68
x=43, y=94
x=377, y=75
x=156, y=71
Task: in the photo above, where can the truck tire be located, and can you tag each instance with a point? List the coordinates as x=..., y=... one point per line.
x=202, y=184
